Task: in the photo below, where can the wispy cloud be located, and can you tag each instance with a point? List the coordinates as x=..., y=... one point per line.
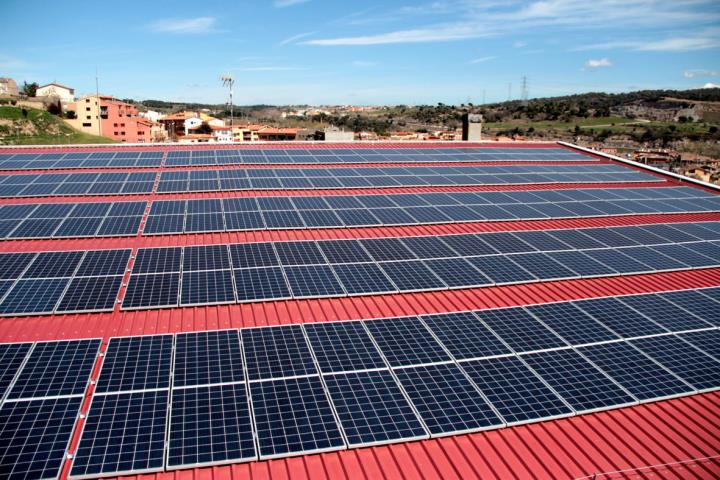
x=288, y=3
x=295, y=38
x=598, y=63
x=12, y=63
x=701, y=73
x=184, y=25
x=675, y=44
x=479, y=18
x=481, y=60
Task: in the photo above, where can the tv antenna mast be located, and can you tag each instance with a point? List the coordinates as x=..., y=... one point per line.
x=228, y=81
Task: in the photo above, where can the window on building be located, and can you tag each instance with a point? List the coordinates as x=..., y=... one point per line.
x=87, y=109
x=87, y=125
x=87, y=117
x=115, y=133
x=122, y=133
x=122, y=124
x=115, y=125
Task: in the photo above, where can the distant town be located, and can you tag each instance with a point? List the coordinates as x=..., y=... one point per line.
x=676, y=131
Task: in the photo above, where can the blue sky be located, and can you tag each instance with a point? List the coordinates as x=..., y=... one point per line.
x=370, y=52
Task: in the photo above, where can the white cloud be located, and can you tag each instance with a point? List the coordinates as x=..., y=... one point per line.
x=288, y=3
x=481, y=60
x=12, y=63
x=519, y=44
x=701, y=73
x=705, y=39
x=481, y=18
x=598, y=63
x=184, y=25
x=711, y=85
x=295, y=38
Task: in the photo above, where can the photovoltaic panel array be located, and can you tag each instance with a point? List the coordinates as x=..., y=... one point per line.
x=153, y=158
x=252, y=272
x=327, y=386
x=88, y=183
x=342, y=211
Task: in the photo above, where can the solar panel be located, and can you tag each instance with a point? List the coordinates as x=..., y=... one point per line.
x=91, y=294
x=35, y=436
x=123, y=434
x=54, y=264
x=276, y=352
x=446, y=400
x=206, y=257
x=579, y=383
x=363, y=278
x=501, y=269
x=372, y=408
x=664, y=312
x=253, y=255
x=707, y=340
x=104, y=262
x=158, y=260
x=210, y=425
x=56, y=368
x=206, y=358
x=308, y=281
x=634, y=371
x=619, y=318
x=293, y=416
x=572, y=324
x=151, y=291
x=33, y=296
x=299, y=253
x=696, y=303
x=457, y=272
x=344, y=251
x=207, y=287
x=543, y=266
x=428, y=247
x=12, y=356
x=12, y=265
x=684, y=360
x=406, y=341
x=522, y=332
x=465, y=337
x=254, y=284
x=515, y=391
x=412, y=275
x=136, y=363
x=343, y=347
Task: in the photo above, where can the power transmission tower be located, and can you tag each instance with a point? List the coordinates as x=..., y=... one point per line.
x=524, y=91
x=509, y=91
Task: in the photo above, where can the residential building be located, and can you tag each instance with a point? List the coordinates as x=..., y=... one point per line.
x=111, y=118
x=196, y=138
x=8, y=87
x=222, y=133
x=56, y=91
x=272, y=134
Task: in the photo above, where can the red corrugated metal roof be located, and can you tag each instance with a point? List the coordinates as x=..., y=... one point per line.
x=670, y=439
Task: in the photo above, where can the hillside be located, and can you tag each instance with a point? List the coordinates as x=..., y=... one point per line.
x=38, y=127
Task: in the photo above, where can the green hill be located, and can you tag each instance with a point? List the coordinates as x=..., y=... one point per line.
x=38, y=127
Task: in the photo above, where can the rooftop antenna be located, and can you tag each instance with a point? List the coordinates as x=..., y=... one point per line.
x=228, y=81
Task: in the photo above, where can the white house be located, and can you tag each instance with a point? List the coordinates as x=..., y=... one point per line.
x=222, y=134
x=192, y=123
x=55, y=90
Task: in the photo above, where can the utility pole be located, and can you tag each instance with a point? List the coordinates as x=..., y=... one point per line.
x=228, y=81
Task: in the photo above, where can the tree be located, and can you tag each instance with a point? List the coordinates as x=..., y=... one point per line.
x=70, y=115
x=29, y=89
x=204, y=128
x=55, y=108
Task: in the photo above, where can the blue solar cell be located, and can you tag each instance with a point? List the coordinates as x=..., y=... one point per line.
x=204, y=358
x=572, y=324
x=158, y=260
x=543, y=266
x=363, y=278
x=207, y=287
x=706, y=340
x=620, y=318
x=12, y=356
x=299, y=253
x=457, y=272
x=343, y=346
x=412, y=276
x=33, y=296
x=91, y=294
x=665, y=312
x=517, y=328
x=696, y=303
x=151, y=290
